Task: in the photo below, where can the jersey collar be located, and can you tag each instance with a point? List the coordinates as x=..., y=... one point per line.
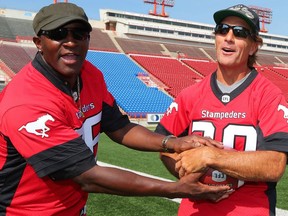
x=225, y=98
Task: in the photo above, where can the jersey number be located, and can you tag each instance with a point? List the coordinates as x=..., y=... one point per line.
x=90, y=138
x=230, y=133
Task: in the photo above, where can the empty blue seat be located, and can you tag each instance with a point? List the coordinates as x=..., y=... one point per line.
x=131, y=94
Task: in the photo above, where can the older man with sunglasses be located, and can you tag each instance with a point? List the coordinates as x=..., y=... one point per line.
x=241, y=108
x=52, y=114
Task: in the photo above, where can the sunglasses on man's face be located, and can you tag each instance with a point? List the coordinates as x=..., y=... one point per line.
x=61, y=33
x=238, y=31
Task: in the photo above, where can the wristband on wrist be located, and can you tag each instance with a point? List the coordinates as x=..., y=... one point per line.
x=164, y=143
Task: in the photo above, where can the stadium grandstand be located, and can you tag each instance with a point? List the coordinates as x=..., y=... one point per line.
x=146, y=60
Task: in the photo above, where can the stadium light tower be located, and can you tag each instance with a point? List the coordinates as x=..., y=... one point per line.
x=163, y=3
x=265, y=16
x=55, y=1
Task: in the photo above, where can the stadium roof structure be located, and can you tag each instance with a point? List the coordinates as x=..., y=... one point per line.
x=163, y=28
x=157, y=28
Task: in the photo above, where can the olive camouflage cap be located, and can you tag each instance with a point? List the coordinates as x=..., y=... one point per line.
x=242, y=11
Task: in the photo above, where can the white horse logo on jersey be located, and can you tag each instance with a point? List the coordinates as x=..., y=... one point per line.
x=38, y=127
x=172, y=106
x=285, y=110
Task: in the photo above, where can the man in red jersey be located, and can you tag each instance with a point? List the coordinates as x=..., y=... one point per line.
x=52, y=113
x=239, y=107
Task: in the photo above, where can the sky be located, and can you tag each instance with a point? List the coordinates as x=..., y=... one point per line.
x=197, y=11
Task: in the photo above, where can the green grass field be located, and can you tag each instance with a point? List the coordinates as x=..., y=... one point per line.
x=147, y=162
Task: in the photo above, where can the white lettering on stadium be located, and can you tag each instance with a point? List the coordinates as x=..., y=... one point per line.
x=223, y=115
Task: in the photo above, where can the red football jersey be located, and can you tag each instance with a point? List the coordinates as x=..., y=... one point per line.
x=43, y=136
x=252, y=117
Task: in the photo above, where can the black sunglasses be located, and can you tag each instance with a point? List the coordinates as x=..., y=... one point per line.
x=61, y=33
x=238, y=31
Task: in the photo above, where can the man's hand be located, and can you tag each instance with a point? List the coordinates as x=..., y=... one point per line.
x=197, y=191
x=182, y=144
x=193, y=160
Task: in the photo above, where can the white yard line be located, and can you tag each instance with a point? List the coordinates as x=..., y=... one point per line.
x=279, y=212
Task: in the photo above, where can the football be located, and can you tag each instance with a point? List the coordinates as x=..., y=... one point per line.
x=214, y=177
